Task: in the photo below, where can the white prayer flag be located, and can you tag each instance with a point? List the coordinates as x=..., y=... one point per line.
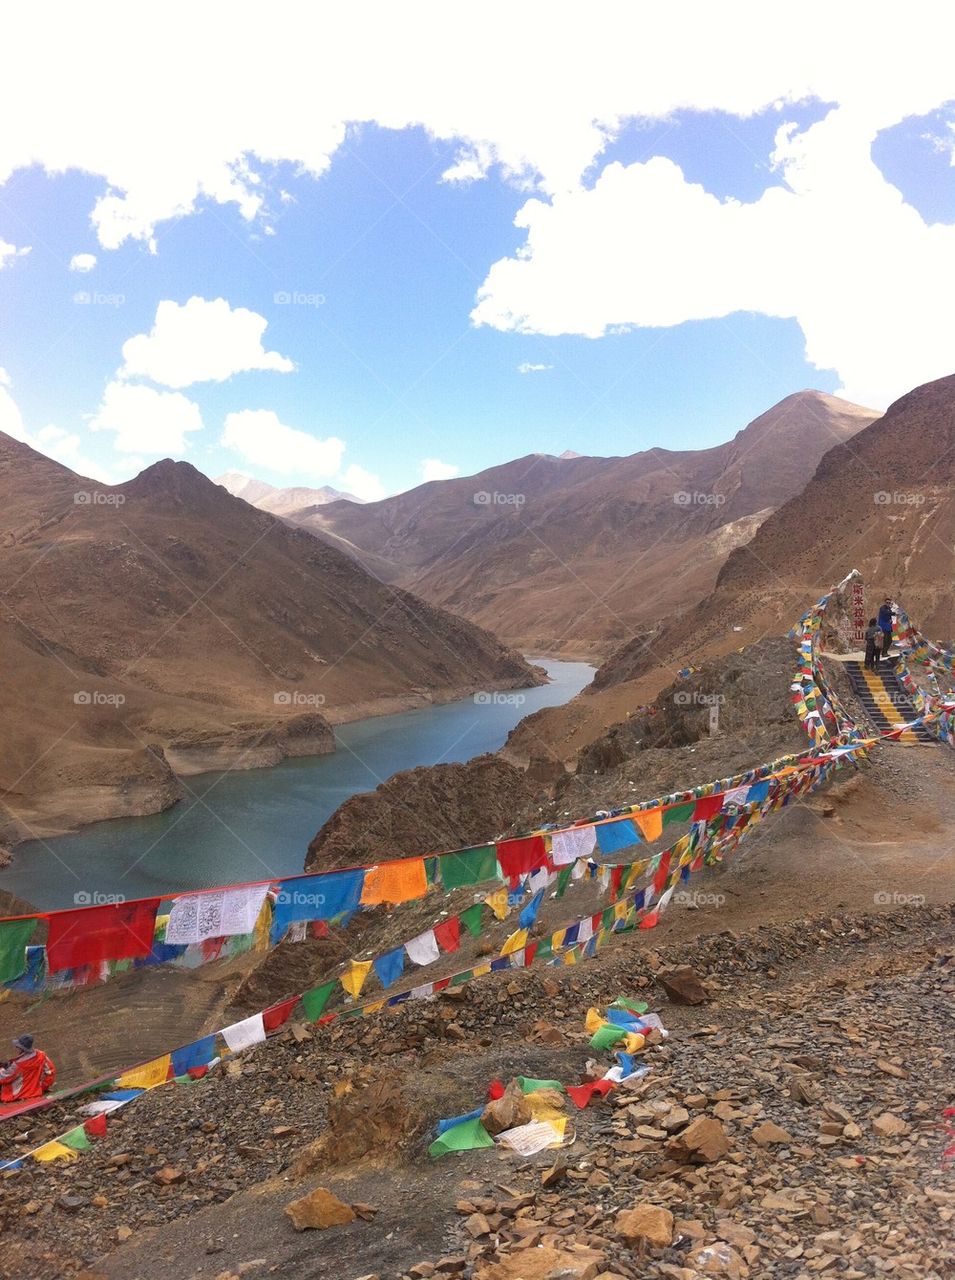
x=567, y=846
x=197, y=916
x=423, y=949
x=243, y=1035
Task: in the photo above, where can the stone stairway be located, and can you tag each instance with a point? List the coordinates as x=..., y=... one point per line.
x=885, y=701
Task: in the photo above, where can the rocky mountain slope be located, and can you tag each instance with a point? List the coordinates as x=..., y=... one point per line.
x=573, y=554
x=164, y=622
x=882, y=502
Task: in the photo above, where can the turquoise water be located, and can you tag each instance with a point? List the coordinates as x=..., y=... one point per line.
x=257, y=824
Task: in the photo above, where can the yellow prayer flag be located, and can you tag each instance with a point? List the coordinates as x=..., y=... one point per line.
x=147, y=1076
x=593, y=1021
x=54, y=1151
x=517, y=940
x=374, y=1008
x=557, y=939
x=634, y=1042
x=263, y=927
x=480, y=970
x=497, y=901
x=354, y=979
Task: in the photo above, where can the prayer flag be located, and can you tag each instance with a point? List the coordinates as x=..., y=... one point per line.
x=498, y=902
x=468, y=866
x=53, y=1151
x=517, y=857
x=354, y=979
x=515, y=942
x=620, y=834
x=119, y=931
x=529, y=913
x=390, y=966
x=278, y=1014
x=221, y=913
x=394, y=882
x=466, y=1136
x=567, y=846
x=650, y=822
x=146, y=1076
x=448, y=934
x=77, y=1139
x=707, y=807
x=197, y=1054
x=423, y=949
x=320, y=897
x=14, y=936
x=314, y=1001
x=243, y=1035
x=678, y=813
x=471, y=919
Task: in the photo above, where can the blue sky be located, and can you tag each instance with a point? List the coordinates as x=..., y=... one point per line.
x=367, y=277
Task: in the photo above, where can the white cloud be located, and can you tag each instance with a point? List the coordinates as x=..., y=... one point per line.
x=435, y=469
x=362, y=484
x=260, y=439
x=62, y=446
x=83, y=262
x=9, y=252
x=200, y=341
x=544, y=125
x=146, y=421
x=527, y=367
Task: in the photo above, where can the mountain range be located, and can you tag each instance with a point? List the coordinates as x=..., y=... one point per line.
x=572, y=555
x=163, y=627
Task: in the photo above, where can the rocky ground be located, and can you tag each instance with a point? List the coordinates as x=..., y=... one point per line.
x=792, y=1125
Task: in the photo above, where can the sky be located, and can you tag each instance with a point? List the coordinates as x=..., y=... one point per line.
x=373, y=245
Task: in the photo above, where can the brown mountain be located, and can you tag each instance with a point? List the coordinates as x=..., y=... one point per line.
x=573, y=554
x=280, y=502
x=163, y=622
x=882, y=503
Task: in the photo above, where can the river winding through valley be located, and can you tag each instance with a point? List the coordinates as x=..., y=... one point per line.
x=256, y=824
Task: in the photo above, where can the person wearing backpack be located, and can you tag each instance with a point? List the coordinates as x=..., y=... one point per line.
x=873, y=644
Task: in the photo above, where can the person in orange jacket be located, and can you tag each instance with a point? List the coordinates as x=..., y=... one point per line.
x=30, y=1074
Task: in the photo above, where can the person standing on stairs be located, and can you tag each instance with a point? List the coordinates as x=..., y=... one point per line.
x=886, y=620
x=873, y=644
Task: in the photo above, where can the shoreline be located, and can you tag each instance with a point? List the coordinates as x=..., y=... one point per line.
x=48, y=817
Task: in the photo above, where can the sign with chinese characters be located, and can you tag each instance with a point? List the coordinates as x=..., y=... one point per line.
x=857, y=614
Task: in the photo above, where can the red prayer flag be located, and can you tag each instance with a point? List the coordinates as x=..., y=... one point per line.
x=708, y=806
x=279, y=1014
x=518, y=857
x=120, y=931
x=196, y=1073
x=650, y=921
x=580, y=1094
x=440, y=983
x=530, y=951
x=660, y=879
x=495, y=1090
x=95, y=1127
x=615, y=878
x=447, y=934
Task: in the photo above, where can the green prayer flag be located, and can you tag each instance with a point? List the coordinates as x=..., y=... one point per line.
x=681, y=813
x=469, y=866
x=545, y=948
x=635, y=1006
x=563, y=880
x=315, y=1000
x=14, y=936
x=467, y=1136
x=607, y=917
x=606, y=1037
x=460, y=979
x=76, y=1139
x=530, y=1085
x=471, y=919
x=431, y=870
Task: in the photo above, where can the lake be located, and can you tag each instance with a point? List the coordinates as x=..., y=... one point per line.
x=256, y=824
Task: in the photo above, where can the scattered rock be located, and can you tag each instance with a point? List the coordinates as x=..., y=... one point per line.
x=889, y=1126
x=544, y=1263
x=508, y=1111
x=682, y=985
x=646, y=1223
x=319, y=1209
x=767, y=1133
x=701, y=1142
